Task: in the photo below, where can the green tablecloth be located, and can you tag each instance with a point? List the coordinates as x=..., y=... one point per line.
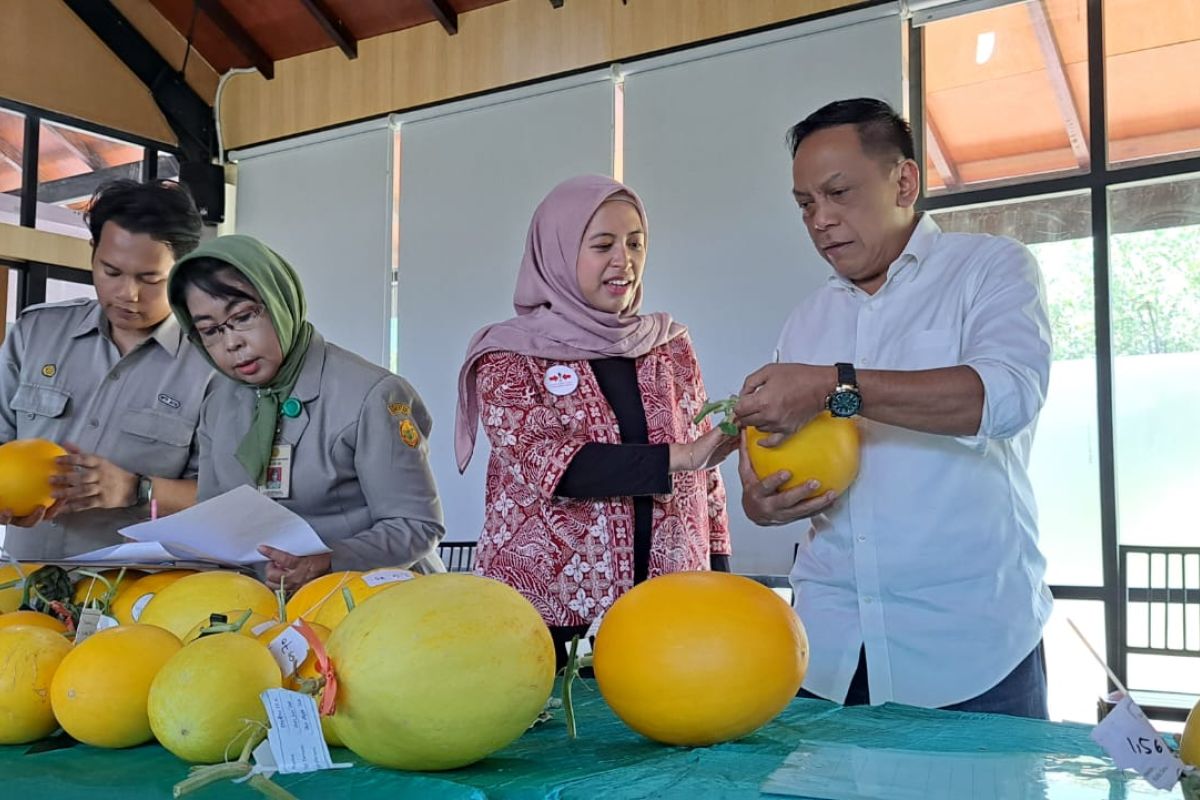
x=607, y=760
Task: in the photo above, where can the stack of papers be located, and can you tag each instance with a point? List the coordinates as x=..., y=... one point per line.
x=225, y=530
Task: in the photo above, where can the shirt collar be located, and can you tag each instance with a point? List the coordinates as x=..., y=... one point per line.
x=168, y=333
x=920, y=243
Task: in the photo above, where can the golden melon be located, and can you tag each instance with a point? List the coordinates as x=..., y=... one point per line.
x=361, y=587
x=439, y=672
x=30, y=656
x=100, y=689
x=1189, y=743
x=825, y=450
x=205, y=699
x=254, y=625
x=696, y=658
x=26, y=466
x=35, y=618
x=10, y=598
x=183, y=604
x=89, y=589
x=306, y=603
x=129, y=603
x=296, y=675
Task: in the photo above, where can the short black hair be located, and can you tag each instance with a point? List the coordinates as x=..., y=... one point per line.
x=212, y=276
x=881, y=130
x=163, y=210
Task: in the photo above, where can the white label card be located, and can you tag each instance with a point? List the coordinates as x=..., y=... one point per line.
x=297, y=743
x=379, y=577
x=1127, y=736
x=290, y=649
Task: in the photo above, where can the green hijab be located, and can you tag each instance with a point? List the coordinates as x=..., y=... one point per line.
x=283, y=297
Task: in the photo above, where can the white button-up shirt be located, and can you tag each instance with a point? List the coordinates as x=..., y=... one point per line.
x=930, y=559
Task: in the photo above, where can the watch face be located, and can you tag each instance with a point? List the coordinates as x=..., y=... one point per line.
x=845, y=404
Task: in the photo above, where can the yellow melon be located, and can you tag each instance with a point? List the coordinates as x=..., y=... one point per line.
x=26, y=466
x=205, y=699
x=127, y=607
x=696, y=658
x=183, y=604
x=10, y=598
x=825, y=450
x=35, y=618
x=439, y=672
x=296, y=675
x=29, y=657
x=100, y=689
x=306, y=603
x=361, y=587
x=89, y=589
x=254, y=625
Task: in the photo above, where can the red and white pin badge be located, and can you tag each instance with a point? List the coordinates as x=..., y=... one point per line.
x=561, y=380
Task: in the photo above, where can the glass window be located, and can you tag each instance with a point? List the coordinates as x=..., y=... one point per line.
x=1154, y=255
x=71, y=165
x=1006, y=95
x=12, y=154
x=1152, y=53
x=57, y=290
x=11, y=278
x=1064, y=465
x=1075, y=681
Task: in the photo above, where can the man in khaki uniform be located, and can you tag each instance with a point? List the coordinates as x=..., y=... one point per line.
x=113, y=380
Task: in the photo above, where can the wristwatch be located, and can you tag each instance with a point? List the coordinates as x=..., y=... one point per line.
x=145, y=490
x=845, y=400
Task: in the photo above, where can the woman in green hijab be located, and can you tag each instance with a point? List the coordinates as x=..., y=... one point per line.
x=334, y=438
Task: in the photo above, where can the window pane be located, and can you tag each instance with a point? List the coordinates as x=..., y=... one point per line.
x=1063, y=467
x=12, y=154
x=1005, y=95
x=1075, y=681
x=12, y=279
x=1152, y=53
x=168, y=167
x=71, y=165
x=1154, y=255
x=57, y=290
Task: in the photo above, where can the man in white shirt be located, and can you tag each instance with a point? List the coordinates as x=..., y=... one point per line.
x=922, y=583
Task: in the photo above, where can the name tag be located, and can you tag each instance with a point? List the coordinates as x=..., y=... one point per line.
x=278, y=485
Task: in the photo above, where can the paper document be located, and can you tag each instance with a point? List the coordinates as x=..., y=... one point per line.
x=229, y=528
x=846, y=772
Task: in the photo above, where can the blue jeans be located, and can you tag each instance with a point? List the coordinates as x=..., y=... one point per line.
x=1022, y=693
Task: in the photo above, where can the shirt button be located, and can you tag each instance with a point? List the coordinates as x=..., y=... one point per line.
x=868, y=600
x=93, y=423
x=114, y=375
x=862, y=538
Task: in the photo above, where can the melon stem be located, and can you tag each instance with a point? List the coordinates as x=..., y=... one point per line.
x=575, y=663
x=281, y=601
x=728, y=424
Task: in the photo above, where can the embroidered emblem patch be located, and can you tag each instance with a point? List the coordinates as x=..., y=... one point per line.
x=409, y=433
x=399, y=409
x=167, y=400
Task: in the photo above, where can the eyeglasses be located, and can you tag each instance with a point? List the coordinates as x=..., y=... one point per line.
x=239, y=322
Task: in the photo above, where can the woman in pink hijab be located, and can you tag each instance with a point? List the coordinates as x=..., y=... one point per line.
x=598, y=478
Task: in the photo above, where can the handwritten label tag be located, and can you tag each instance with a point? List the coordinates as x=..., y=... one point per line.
x=297, y=743
x=379, y=577
x=290, y=650
x=1127, y=736
x=261, y=627
x=92, y=621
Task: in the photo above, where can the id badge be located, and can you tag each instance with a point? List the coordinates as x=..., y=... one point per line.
x=278, y=485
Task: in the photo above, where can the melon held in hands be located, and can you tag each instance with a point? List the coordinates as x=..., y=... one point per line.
x=825, y=450
x=26, y=466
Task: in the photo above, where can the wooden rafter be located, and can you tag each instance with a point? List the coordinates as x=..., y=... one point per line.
x=238, y=36
x=333, y=26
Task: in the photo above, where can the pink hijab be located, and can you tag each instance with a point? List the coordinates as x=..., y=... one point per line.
x=553, y=319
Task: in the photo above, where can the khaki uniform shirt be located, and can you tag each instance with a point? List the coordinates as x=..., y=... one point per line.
x=358, y=471
x=63, y=379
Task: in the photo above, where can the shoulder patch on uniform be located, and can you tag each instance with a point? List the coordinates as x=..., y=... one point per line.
x=409, y=433
x=399, y=409
x=49, y=370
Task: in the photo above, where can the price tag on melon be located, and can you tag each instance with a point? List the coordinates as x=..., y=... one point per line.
x=297, y=743
x=140, y=604
x=379, y=577
x=1127, y=736
x=290, y=650
x=92, y=621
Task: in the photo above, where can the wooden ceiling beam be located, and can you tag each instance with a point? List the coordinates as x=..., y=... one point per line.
x=444, y=13
x=1056, y=70
x=238, y=36
x=333, y=26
